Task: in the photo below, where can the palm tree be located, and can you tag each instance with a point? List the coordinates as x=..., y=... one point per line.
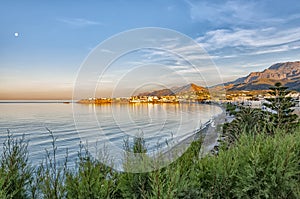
x=247, y=120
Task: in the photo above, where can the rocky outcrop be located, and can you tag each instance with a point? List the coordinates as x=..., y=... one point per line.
x=187, y=89
x=287, y=73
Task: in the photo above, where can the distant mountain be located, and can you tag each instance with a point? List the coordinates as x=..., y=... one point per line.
x=287, y=73
x=187, y=89
x=163, y=92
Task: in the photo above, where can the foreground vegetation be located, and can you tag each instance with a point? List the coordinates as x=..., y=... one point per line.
x=257, y=159
x=258, y=166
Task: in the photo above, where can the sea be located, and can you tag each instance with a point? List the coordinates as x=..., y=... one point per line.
x=98, y=128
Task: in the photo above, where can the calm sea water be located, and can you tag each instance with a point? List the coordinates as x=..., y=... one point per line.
x=100, y=126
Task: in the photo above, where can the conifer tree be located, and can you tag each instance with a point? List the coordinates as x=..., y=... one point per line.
x=281, y=113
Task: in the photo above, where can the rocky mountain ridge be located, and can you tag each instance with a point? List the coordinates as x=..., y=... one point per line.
x=189, y=88
x=288, y=73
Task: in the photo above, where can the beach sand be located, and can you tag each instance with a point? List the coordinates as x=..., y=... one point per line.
x=210, y=133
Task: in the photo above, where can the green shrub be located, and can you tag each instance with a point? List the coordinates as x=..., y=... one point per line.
x=257, y=167
x=134, y=182
x=51, y=174
x=90, y=178
x=14, y=168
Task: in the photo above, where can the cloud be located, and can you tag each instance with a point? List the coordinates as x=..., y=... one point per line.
x=228, y=12
x=281, y=20
x=242, y=13
x=106, y=51
x=79, y=22
x=252, y=41
x=238, y=28
x=177, y=53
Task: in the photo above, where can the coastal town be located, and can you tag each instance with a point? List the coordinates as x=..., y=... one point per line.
x=251, y=90
x=242, y=98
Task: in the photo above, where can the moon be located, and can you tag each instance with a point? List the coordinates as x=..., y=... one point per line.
x=16, y=34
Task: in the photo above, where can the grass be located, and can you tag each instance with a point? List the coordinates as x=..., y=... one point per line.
x=257, y=166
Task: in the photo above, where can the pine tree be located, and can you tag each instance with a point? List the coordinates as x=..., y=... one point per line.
x=281, y=115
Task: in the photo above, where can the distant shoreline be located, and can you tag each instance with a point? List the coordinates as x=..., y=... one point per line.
x=35, y=101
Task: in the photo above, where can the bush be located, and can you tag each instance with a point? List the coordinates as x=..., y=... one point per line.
x=90, y=178
x=14, y=168
x=257, y=167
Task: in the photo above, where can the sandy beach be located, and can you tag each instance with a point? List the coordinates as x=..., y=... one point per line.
x=210, y=133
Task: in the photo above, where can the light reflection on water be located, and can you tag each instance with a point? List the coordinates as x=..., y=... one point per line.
x=159, y=123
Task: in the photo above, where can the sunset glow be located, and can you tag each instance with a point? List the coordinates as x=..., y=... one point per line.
x=43, y=45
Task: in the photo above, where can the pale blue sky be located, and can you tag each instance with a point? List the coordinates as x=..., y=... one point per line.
x=56, y=36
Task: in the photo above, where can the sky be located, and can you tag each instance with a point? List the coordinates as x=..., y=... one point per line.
x=45, y=44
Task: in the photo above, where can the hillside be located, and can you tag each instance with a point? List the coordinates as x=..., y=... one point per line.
x=287, y=73
x=187, y=89
x=162, y=92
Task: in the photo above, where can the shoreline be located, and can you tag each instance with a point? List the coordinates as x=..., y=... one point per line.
x=211, y=132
